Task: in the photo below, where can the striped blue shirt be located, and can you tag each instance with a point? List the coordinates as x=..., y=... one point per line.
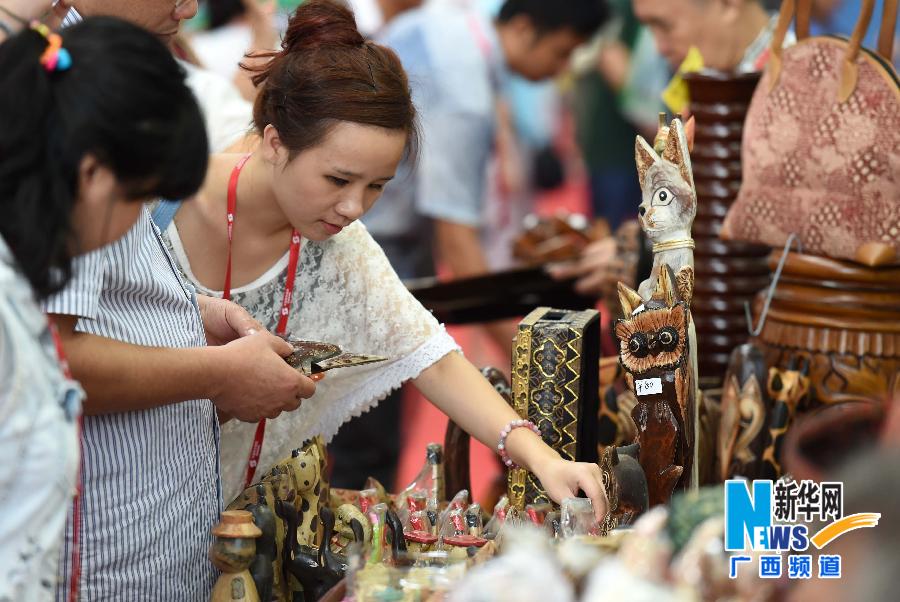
x=150, y=478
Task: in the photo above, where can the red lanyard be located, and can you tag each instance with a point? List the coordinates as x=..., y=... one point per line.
x=256, y=448
x=76, y=501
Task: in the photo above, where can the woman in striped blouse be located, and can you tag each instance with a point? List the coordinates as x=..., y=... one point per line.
x=82, y=145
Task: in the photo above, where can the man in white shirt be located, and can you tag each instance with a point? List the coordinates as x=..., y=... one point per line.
x=731, y=35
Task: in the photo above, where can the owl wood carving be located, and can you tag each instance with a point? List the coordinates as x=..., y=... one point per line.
x=668, y=207
x=654, y=348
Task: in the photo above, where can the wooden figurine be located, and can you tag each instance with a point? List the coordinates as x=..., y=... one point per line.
x=655, y=352
x=421, y=535
x=233, y=552
x=463, y=547
x=263, y=566
x=744, y=409
x=352, y=525
x=295, y=489
x=787, y=388
x=668, y=208
x=317, y=569
x=657, y=344
x=555, y=385
x=625, y=484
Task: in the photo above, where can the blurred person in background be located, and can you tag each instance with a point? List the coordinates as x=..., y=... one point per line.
x=605, y=134
x=373, y=15
x=839, y=17
x=730, y=35
x=235, y=28
x=458, y=59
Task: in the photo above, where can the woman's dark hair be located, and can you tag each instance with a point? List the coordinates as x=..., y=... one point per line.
x=584, y=17
x=123, y=100
x=326, y=73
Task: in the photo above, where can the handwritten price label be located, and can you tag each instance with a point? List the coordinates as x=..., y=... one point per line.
x=648, y=386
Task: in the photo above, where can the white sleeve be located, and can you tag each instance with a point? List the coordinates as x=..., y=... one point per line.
x=228, y=115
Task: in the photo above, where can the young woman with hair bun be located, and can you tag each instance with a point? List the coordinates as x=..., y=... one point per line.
x=335, y=118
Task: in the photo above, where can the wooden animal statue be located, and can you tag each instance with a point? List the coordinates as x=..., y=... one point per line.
x=351, y=525
x=668, y=207
x=317, y=569
x=655, y=353
x=787, y=389
x=308, y=471
x=744, y=412
x=666, y=214
x=262, y=569
x=295, y=488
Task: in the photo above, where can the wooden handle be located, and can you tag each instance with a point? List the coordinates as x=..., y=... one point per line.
x=804, y=11
x=784, y=23
x=886, y=35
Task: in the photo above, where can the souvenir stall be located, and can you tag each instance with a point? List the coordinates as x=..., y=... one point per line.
x=764, y=344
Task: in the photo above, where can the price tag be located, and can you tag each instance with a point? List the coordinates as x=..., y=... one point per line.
x=648, y=386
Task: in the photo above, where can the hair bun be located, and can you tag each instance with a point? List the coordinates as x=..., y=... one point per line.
x=319, y=24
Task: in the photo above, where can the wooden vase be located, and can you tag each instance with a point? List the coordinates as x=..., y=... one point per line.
x=727, y=274
x=842, y=317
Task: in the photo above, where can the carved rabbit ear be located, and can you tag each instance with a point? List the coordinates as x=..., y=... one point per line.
x=690, y=128
x=666, y=292
x=644, y=158
x=629, y=299
x=676, y=151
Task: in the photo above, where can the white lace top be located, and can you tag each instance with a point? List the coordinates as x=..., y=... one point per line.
x=346, y=293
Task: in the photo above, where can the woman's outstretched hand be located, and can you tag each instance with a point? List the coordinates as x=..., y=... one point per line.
x=562, y=479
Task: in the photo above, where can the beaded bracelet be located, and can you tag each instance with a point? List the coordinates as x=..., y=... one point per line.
x=501, y=446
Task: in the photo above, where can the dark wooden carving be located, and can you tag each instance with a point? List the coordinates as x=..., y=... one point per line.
x=787, y=388
x=744, y=411
x=654, y=349
x=726, y=273
x=555, y=385
x=841, y=317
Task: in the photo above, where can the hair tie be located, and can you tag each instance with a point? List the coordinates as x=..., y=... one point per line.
x=54, y=57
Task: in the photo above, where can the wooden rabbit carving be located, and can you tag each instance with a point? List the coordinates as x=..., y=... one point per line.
x=668, y=208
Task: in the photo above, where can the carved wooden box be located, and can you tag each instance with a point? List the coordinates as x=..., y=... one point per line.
x=555, y=374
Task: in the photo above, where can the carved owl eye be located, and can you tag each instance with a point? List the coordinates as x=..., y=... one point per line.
x=638, y=345
x=668, y=338
x=662, y=197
